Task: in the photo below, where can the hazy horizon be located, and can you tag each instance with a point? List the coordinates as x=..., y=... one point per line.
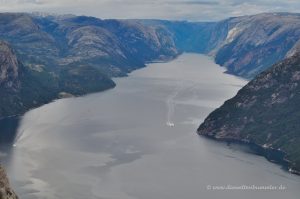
x=191, y=10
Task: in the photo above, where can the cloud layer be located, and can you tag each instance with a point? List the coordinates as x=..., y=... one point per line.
x=195, y=10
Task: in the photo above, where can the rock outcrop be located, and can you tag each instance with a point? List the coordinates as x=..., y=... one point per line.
x=244, y=45
x=254, y=43
x=9, y=67
x=6, y=191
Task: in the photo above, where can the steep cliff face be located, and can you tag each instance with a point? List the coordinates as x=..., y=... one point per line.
x=244, y=45
x=265, y=112
x=24, y=87
x=115, y=47
x=254, y=43
x=32, y=45
x=187, y=36
x=17, y=84
x=70, y=54
x=294, y=50
x=78, y=55
x=9, y=67
x=6, y=191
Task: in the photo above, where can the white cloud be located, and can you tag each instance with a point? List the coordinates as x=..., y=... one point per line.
x=162, y=9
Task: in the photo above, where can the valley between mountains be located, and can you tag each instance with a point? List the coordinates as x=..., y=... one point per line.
x=46, y=57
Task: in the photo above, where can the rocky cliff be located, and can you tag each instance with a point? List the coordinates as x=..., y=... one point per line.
x=69, y=54
x=265, y=112
x=24, y=87
x=5, y=190
x=245, y=45
x=254, y=43
x=9, y=67
x=49, y=55
x=114, y=47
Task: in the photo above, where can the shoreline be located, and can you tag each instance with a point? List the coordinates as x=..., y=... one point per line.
x=69, y=95
x=12, y=135
x=272, y=155
x=194, y=155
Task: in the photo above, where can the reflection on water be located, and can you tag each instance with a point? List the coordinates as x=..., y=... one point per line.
x=116, y=144
x=8, y=130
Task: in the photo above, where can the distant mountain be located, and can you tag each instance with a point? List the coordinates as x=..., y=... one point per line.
x=245, y=45
x=22, y=88
x=56, y=56
x=115, y=47
x=265, y=112
x=77, y=55
x=254, y=43
x=45, y=56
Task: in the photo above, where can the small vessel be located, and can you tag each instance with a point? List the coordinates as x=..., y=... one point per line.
x=170, y=124
x=14, y=145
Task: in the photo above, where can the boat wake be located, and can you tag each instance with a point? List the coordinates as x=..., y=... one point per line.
x=171, y=105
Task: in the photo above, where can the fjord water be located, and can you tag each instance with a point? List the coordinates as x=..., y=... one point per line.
x=120, y=143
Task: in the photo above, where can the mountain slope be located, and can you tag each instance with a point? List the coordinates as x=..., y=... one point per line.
x=244, y=45
x=9, y=70
x=67, y=53
x=254, y=43
x=265, y=112
x=115, y=47
x=75, y=55
x=22, y=88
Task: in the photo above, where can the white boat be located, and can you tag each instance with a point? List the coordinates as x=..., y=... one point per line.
x=170, y=124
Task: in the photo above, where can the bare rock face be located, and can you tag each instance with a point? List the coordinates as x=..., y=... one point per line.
x=6, y=191
x=294, y=50
x=115, y=46
x=245, y=45
x=9, y=69
x=254, y=43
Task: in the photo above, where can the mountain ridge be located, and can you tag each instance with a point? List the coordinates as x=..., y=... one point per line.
x=44, y=57
x=265, y=112
x=64, y=49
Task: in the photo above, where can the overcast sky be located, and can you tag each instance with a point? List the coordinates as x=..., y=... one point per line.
x=195, y=10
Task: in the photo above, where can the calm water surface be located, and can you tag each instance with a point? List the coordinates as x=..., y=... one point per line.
x=117, y=144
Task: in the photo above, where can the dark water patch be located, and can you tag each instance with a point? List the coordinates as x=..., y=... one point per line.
x=273, y=155
x=8, y=130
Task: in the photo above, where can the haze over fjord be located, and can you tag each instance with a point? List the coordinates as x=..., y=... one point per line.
x=192, y=10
